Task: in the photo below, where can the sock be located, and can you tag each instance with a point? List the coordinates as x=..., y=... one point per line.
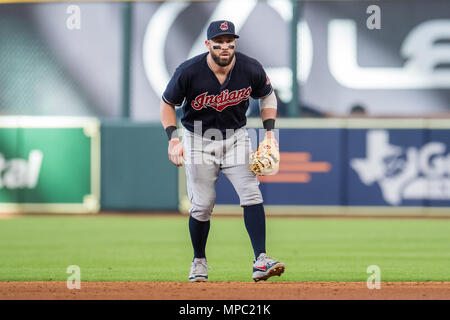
x=255, y=222
x=199, y=234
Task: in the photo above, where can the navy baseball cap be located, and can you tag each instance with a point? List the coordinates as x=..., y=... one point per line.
x=218, y=28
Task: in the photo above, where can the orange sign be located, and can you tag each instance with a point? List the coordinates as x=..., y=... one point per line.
x=296, y=167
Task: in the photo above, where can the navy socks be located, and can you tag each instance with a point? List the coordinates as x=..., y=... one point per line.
x=199, y=234
x=255, y=222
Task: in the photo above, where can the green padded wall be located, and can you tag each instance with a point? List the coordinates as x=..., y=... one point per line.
x=136, y=172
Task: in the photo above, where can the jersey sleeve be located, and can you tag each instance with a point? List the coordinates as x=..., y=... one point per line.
x=261, y=86
x=176, y=88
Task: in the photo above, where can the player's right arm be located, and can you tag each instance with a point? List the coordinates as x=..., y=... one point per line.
x=169, y=121
x=173, y=96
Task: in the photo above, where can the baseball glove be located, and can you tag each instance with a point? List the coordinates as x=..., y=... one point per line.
x=266, y=159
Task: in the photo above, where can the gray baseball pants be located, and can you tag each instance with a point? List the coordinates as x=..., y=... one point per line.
x=205, y=157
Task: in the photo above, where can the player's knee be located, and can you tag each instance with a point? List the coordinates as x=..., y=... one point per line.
x=201, y=215
x=250, y=197
x=202, y=212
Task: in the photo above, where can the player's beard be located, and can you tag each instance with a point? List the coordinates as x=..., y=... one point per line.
x=221, y=61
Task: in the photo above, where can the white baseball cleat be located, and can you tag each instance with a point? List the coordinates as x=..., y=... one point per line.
x=265, y=267
x=199, y=270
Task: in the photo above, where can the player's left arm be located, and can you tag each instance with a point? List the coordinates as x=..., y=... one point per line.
x=266, y=159
x=268, y=106
x=262, y=89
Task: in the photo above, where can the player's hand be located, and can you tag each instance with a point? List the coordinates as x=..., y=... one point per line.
x=270, y=135
x=176, y=152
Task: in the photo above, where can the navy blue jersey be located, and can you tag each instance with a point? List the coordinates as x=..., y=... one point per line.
x=222, y=107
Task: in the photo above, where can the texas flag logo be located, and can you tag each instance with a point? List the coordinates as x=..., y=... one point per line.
x=224, y=26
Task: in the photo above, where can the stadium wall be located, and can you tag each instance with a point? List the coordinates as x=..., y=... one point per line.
x=136, y=174
x=352, y=166
x=328, y=166
x=49, y=165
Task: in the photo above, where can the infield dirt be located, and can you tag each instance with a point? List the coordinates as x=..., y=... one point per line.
x=57, y=290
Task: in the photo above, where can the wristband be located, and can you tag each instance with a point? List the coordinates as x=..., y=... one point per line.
x=269, y=124
x=171, y=132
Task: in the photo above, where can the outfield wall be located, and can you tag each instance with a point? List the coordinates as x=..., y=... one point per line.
x=328, y=166
x=136, y=173
x=352, y=166
x=82, y=165
x=49, y=164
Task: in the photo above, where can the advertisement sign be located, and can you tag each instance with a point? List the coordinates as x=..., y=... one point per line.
x=399, y=167
x=383, y=167
x=49, y=164
x=397, y=66
x=309, y=171
x=353, y=166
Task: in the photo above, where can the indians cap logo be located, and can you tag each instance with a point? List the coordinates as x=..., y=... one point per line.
x=224, y=26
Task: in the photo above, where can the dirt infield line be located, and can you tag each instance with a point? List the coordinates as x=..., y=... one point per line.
x=57, y=290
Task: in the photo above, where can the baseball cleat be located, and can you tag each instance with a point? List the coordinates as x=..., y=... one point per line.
x=199, y=270
x=265, y=267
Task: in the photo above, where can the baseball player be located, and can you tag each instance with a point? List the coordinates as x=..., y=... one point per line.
x=214, y=89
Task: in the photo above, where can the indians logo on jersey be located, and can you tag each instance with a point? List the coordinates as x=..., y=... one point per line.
x=222, y=100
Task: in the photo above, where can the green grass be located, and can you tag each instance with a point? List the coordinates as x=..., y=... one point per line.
x=158, y=249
